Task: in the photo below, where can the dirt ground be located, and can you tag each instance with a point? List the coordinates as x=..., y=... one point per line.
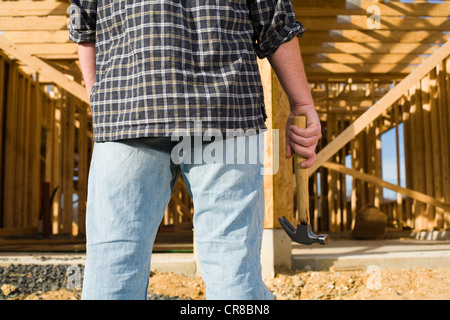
x=374, y=284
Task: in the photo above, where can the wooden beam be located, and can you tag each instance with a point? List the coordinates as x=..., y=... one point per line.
x=384, y=36
x=385, y=102
x=380, y=182
x=43, y=68
x=68, y=149
x=320, y=77
x=10, y=146
x=34, y=23
x=58, y=56
x=278, y=185
x=32, y=8
x=61, y=49
x=392, y=8
x=3, y=81
x=363, y=58
x=329, y=67
x=349, y=22
x=19, y=231
x=39, y=37
x=368, y=48
x=283, y=185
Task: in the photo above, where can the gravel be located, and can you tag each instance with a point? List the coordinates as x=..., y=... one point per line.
x=59, y=282
x=19, y=281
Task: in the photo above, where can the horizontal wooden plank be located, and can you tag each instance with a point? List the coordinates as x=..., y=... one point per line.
x=343, y=77
x=50, y=49
x=32, y=8
x=368, y=48
x=350, y=3
x=392, y=8
x=347, y=58
x=26, y=231
x=380, y=182
x=373, y=36
x=358, y=68
x=49, y=23
x=41, y=37
x=344, y=104
x=386, y=23
x=58, y=56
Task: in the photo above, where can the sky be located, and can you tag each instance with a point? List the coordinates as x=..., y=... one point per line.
x=388, y=162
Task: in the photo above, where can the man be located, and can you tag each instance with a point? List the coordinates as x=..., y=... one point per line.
x=155, y=68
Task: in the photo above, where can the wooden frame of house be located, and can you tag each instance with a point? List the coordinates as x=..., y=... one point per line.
x=373, y=66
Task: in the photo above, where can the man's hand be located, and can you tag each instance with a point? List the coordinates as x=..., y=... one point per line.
x=303, y=141
x=288, y=66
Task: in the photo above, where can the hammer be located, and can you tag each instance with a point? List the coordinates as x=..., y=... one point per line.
x=303, y=234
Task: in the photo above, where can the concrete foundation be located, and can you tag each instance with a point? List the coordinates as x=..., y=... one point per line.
x=275, y=252
x=279, y=251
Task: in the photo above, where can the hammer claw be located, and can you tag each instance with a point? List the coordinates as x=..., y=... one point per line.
x=303, y=234
x=288, y=228
x=287, y=225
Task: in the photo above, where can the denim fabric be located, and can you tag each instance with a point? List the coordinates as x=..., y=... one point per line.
x=130, y=184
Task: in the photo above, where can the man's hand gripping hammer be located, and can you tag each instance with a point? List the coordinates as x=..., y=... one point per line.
x=303, y=234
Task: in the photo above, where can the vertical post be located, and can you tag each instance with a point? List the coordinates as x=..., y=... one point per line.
x=10, y=148
x=68, y=114
x=428, y=142
x=399, y=216
x=82, y=167
x=279, y=188
x=444, y=123
x=3, y=82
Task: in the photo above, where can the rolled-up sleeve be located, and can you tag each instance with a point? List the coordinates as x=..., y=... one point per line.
x=83, y=17
x=274, y=23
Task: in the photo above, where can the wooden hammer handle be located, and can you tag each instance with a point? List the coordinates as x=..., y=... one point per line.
x=301, y=177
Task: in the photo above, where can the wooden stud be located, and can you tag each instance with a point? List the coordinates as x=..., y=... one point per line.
x=68, y=136
x=381, y=105
x=283, y=184
x=3, y=81
x=320, y=8
x=83, y=160
x=399, y=214
x=57, y=178
x=27, y=173
x=427, y=143
x=435, y=139
x=10, y=149
x=35, y=153
x=422, y=197
x=444, y=147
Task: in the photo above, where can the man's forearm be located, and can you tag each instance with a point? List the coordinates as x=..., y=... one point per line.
x=288, y=66
x=86, y=53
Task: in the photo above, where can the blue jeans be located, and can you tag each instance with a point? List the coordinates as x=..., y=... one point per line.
x=130, y=185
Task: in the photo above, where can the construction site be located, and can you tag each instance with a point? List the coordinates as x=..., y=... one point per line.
x=379, y=73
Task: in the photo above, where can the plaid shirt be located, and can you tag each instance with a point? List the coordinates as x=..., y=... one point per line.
x=165, y=65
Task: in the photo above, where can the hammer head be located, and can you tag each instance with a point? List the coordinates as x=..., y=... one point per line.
x=303, y=234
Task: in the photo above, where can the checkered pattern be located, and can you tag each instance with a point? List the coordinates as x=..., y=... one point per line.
x=164, y=65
